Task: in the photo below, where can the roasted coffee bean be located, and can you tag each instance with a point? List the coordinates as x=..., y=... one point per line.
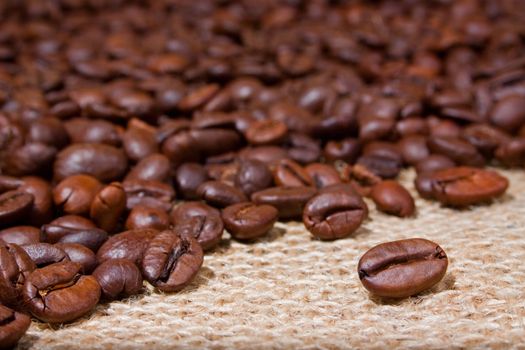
x=104, y=162
x=248, y=220
x=423, y=184
x=269, y=155
x=188, y=177
x=508, y=114
x=266, y=132
x=433, y=163
x=155, y=167
x=322, y=175
x=146, y=217
x=42, y=209
x=464, y=186
x=9, y=183
x=458, y=150
x=334, y=215
x=512, y=152
x=118, y=278
x=44, y=254
x=49, y=131
x=15, y=267
x=30, y=159
x=199, y=220
x=80, y=254
x=21, y=235
x=14, y=206
x=58, y=293
x=384, y=167
x=485, y=138
x=383, y=149
x=289, y=201
x=218, y=194
x=291, y=174
x=108, y=206
x=413, y=149
x=302, y=148
x=148, y=192
x=392, y=198
x=211, y=142
x=83, y=130
x=171, y=262
x=252, y=176
x=402, y=268
x=75, y=193
x=126, y=245
x=347, y=150
x=13, y=325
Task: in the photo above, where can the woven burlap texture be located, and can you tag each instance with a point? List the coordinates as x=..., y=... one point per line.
x=289, y=291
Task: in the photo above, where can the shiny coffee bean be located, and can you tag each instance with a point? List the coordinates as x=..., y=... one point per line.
x=21, y=235
x=512, y=152
x=288, y=173
x=171, y=262
x=80, y=254
x=413, y=149
x=148, y=192
x=289, y=201
x=44, y=254
x=384, y=167
x=322, y=175
x=199, y=220
x=42, y=209
x=14, y=206
x=15, y=267
x=13, y=326
x=155, y=167
x=83, y=130
x=91, y=238
x=75, y=193
x=147, y=217
x=30, y=159
x=218, y=194
x=402, y=268
x=118, y=278
x=508, y=113
x=392, y=198
x=266, y=132
x=252, y=176
x=249, y=220
x=333, y=215
x=347, y=150
x=434, y=162
x=464, y=186
x=126, y=245
x=108, y=206
x=458, y=150
x=188, y=177
x=58, y=293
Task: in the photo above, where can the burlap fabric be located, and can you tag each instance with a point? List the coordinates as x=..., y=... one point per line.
x=289, y=291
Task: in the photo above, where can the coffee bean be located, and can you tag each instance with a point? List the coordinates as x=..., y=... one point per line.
x=83, y=130
x=392, y=198
x=49, y=131
x=433, y=163
x=104, y=162
x=118, y=278
x=512, y=152
x=219, y=194
x=289, y=201
x=334, y=215
x=290, y=174
x=199, y=220
x=15, y=267
x=143, y=217
x=413, y=149
x=322, y=175
x=253, y=175
x=75, y=194
x=13, y=325
x=347, y=150
x=21, y=235
x=14, y=205
x=107, y=206
x=456, y=149
x=485, y=138
x=188, y=177
x=80, y=254
x=148, y=192
x=58, y=293
x=42, y=209
x=266, y=132
x=126, y=245
x=139, y=142
x=30, y=159
x=302, y=148
x=155, y=167
x=91, y=238
x=402, y=268
x=248, y=220
x=464, y=186
x=508, y=113
x=44, y=254
x=171, y=262
x=384, y=167
x=269, y=155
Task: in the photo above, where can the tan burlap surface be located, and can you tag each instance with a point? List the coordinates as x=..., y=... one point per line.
x=289, y=291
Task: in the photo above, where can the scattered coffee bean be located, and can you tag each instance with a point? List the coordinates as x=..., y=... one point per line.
x=118, y=278
x=126, y=245
x=248, y=220
x=14, y=205
x=392, y=198
x=289, y=201
x=13, y=326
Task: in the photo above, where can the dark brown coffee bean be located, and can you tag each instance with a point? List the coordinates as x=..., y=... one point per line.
x=266, y=132
x=252, y=176
x=155, y=167
x=198, y=97
x=75, y=229
x=148, y=192
x=15, y=267
x=423, y=184
x=188, y=177
x=402, y=268
x=289, y=201
x=21, y=235
x=392, y=198
x=171, y=262
x=508, y=114
x=49, y=131
x=44, y=254
x=269, y=155
x=384, y=167
x=30, y=159
x=413, y=149
x=126, y=245
x=412, y=126
x=9, y=183
x=376, y=129
x=104, y=162
x=219, y=194
x=322, y=175
x=75, y=193
x=13, y=325
x=290, y=174
x=202, y=222
x=333, y=215
x=83, y=130
x=14, y=206
x=485, y=138
x=143, y=217
x=302, y=148
x=512, y=152
x=456, y=149
x=58, y=293
x=108, y=206
x=464, y=186
x=139, y=141
x=42, y=210
x=211, y=142
x=249, y=220
x=80, y=254
x=118, y=278
x=433, y=163
x=347, y=150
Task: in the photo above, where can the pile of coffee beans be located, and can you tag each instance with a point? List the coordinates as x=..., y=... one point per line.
x=133, y=133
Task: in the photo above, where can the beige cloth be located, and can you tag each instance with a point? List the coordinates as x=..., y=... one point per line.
x=289, y=291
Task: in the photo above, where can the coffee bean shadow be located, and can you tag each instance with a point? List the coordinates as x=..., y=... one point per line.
x=506, y=198
x=447, y=283
x=203, y=277
x=221, y=248
x=27, y=341
x=272, y=235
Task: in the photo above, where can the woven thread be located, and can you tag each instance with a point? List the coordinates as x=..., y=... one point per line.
x=289, y=291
